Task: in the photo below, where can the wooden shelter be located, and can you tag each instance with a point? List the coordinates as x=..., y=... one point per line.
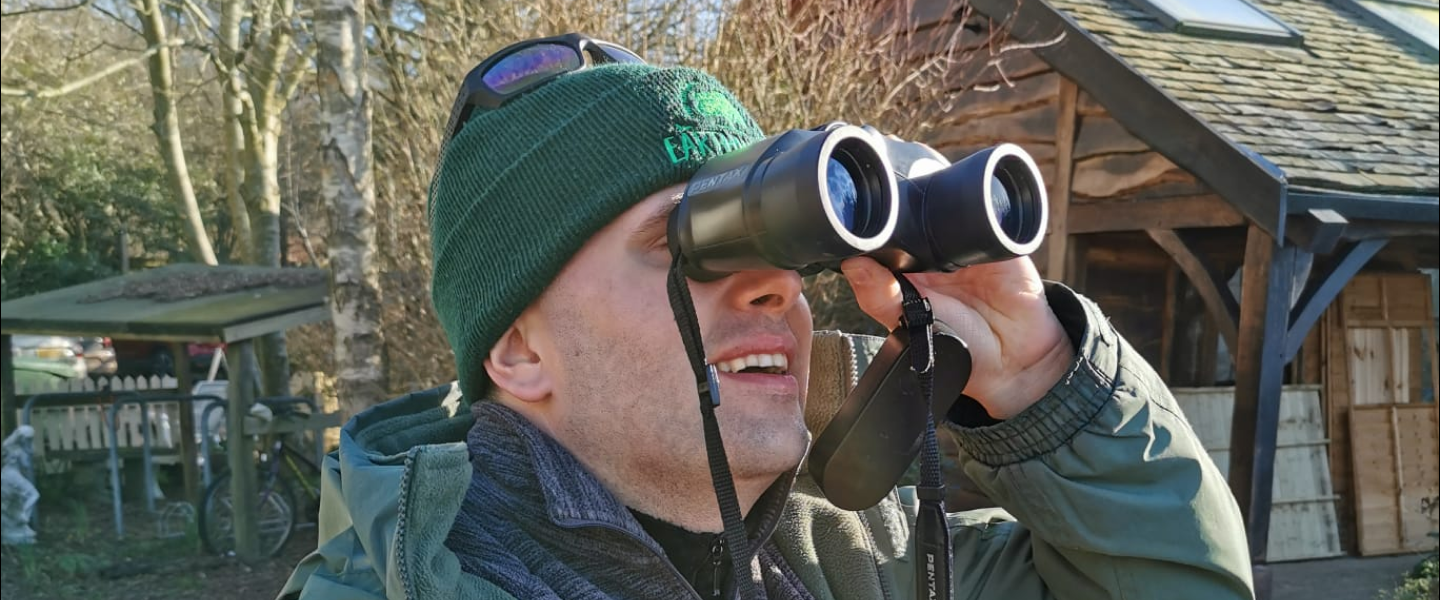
x=179, y=303
x=1189, y=160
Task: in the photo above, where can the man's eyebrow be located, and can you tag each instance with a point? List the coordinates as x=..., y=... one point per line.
x=654, y=226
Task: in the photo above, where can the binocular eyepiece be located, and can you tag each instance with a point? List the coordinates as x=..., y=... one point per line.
x=806, y=200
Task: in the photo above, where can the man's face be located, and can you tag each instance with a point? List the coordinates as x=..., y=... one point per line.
x=622, y=395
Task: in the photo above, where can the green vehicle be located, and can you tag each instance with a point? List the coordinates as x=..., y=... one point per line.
x=38, y=373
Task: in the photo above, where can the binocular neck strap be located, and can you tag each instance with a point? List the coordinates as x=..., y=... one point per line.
x=737, y=541
x=932, y=571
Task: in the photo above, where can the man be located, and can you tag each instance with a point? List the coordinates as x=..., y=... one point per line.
x=573, y=464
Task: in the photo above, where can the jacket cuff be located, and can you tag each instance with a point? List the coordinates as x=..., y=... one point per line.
x=1070, y=405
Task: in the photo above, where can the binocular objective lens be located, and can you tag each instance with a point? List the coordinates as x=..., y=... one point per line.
x=844, y=195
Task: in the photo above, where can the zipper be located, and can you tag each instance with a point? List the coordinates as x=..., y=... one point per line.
x=402, y=520
x=717, y=560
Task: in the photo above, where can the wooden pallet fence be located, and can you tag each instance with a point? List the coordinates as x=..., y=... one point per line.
x=1303, y=521
x=1397, y=476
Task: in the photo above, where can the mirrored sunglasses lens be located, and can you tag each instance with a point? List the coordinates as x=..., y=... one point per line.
x=526, y=66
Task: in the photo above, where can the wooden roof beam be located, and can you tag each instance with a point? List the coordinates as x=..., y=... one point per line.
x=1219, y=302
x=1324, y=287
x=1252, y=184
x=1353, y=206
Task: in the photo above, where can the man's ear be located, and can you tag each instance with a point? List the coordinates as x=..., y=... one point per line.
x=514, y=365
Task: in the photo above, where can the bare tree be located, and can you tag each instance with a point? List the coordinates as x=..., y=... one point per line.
x=232, y=92
x=167, y=128
x=350, y=192
x=261, y=73
x=157, y=57
x=83, y=82
x=795, y=63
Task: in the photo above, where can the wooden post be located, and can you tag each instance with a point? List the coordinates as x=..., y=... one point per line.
x=1167, y=328
x=124, y=249
x=1208, y=354
x=1057, y=244
x=189, y=451
x=1076, y=266
x=243, y=485
x=7, y=389
x=1259, y=370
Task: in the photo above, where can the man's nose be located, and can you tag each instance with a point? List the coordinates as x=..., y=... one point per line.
x=772, y=291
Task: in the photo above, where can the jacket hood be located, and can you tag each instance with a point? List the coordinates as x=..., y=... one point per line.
x=389, y=494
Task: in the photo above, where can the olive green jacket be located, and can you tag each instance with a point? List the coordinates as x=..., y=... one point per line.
x=1112, y=496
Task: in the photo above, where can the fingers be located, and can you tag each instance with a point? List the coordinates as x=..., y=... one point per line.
x=876, y=291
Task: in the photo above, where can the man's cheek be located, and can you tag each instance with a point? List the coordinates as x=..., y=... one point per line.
x=801, y=321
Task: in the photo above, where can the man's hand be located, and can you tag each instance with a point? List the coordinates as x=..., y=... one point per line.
x=1017, y=346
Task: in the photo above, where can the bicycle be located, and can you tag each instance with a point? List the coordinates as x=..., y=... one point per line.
x=277, y=516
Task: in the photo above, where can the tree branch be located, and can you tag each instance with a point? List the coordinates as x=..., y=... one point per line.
x=42, y=9
x=9, y=41
x=202, y=20
x=297, y=73
x=119, y=19
x=78, y=84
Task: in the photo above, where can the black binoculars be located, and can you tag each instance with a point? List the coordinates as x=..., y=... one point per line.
x=805, y=200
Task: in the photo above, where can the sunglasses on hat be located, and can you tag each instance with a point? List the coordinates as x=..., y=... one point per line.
x=524, y=66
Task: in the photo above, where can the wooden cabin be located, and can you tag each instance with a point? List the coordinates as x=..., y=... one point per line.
x=1249, y=189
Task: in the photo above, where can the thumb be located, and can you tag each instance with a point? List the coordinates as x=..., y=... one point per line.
x=876, y=290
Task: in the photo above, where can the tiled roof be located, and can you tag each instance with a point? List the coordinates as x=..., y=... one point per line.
x=1353, y=109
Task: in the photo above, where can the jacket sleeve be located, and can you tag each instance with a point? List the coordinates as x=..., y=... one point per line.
x=1113, y=493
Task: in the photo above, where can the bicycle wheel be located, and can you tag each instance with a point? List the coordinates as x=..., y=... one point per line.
x=275, y=516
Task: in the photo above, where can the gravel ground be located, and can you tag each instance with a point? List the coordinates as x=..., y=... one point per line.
x=1339, y=578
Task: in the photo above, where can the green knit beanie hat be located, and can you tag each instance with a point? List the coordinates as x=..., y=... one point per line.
x=520, y=189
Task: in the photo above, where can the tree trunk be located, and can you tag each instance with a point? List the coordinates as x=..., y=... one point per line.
x=234, y=129
x=167, y=129
x=263, y=182
x=268, y=99
x=349, y=192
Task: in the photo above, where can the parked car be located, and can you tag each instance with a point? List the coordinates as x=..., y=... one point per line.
x=148, y=357
x=99, y=356
x=38, y=374
x=60, y=350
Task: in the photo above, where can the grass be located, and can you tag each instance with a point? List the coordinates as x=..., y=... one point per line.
x=74, y=548
x=1421, y=582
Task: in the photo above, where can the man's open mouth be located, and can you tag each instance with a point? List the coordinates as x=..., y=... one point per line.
x=769, y=364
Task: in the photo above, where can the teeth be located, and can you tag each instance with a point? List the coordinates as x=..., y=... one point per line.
x=735, y=365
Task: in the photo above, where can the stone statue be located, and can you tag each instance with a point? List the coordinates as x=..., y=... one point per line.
x=17, y=493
